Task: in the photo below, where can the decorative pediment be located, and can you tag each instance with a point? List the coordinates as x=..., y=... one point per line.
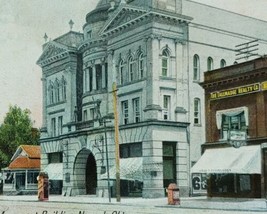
x=52, y=51
x=125, y=16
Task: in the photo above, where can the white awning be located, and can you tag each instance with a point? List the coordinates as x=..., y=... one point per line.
x=54, y=171
x=130, y=169
x=243, y=160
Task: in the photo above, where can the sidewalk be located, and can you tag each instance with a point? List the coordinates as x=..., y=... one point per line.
x=258, y=205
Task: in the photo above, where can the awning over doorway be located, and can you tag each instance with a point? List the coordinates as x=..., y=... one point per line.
x=243, y=160
x=54, y=171
x=130, y=169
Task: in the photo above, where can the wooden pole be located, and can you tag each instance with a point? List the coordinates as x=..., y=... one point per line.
x=117, y=147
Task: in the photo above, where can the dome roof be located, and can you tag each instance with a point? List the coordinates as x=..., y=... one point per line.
x=100, y=13
x=102, y=3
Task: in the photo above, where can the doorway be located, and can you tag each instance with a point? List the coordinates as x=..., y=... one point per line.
x=91, y=175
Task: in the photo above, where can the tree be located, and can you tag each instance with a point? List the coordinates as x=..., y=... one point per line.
x=17, y=129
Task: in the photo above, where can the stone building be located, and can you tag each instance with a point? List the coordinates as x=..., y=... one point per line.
x=156, y=52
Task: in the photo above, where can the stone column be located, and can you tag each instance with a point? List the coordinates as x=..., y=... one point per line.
x=94, y=76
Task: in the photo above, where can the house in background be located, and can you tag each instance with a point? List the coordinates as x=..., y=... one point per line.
x=20, y=177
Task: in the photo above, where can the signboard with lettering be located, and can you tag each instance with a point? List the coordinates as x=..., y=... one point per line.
x=247, y=89
x=199, y=184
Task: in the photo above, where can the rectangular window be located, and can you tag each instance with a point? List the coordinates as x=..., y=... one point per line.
x=92, y=113
x=60, y=125
x=164, y=67
x=55, y=157
x=236, y=122
x=125, y=112
x=136, y=110
x=197, y=111
x=169, y=163
x=131, y=150
x=85, y=115
x=166, y=107
x=98, y=77
x=53, y=127
x=90, y=79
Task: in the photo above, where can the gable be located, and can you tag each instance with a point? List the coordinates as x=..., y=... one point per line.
x=51, y=51
x=124, y=17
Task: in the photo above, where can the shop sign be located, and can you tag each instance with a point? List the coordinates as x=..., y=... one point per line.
x=199, y=183
x=247, y=89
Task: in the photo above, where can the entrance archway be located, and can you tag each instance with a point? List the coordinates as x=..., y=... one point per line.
x=91, y=177
x=85, y=173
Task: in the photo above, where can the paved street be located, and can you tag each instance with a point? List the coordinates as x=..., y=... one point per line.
x=94, y=205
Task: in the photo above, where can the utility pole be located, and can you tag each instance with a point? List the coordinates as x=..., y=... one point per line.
x=117, y=147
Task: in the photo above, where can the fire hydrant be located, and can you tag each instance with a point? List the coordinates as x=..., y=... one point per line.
x=173, y=194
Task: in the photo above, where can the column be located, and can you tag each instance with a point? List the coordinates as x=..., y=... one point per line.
x=94, y=77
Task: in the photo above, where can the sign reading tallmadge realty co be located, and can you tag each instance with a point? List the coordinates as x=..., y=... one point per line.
x=242, y=90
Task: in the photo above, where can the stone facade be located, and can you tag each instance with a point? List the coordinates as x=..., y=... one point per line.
x=148, y=49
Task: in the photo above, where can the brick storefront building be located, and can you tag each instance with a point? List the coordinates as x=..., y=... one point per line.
x=235, y=153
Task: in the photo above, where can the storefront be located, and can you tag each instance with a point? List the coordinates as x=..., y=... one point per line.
x=234, y=157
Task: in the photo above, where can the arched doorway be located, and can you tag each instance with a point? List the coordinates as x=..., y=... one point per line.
x=91, y=177
x=85, y=173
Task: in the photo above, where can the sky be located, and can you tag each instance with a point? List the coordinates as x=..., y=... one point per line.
x=23, y=24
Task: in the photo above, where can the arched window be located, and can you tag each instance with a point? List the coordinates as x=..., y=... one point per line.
x=131, y=68
x=210, y=64
x=121, y=72
x=165, y=63
x=197, y=113
x=64, y=88
x=196, y=68
x=141, y=66
x=223, y=63
x=51, y=93
x=57, y=91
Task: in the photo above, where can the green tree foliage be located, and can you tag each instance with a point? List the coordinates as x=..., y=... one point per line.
x=17, y=129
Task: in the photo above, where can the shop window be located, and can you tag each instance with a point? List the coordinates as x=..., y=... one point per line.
x=125, y=112
x=165, y=63
x=196, y=68
x=209, y=64
x=131, y=150
x=136, y=110
x=32, y=177
x=197, y=111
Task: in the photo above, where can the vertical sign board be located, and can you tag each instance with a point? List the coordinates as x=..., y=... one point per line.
x=199, y=184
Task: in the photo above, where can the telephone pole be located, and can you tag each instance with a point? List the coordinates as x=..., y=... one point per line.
x=117, y=147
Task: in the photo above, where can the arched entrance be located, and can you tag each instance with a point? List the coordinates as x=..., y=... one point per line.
x=85, y=173
x=91, y=177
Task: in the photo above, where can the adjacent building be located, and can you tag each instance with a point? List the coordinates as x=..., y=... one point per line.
x=156, y=52
x=235, y=154
x=20, y=177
